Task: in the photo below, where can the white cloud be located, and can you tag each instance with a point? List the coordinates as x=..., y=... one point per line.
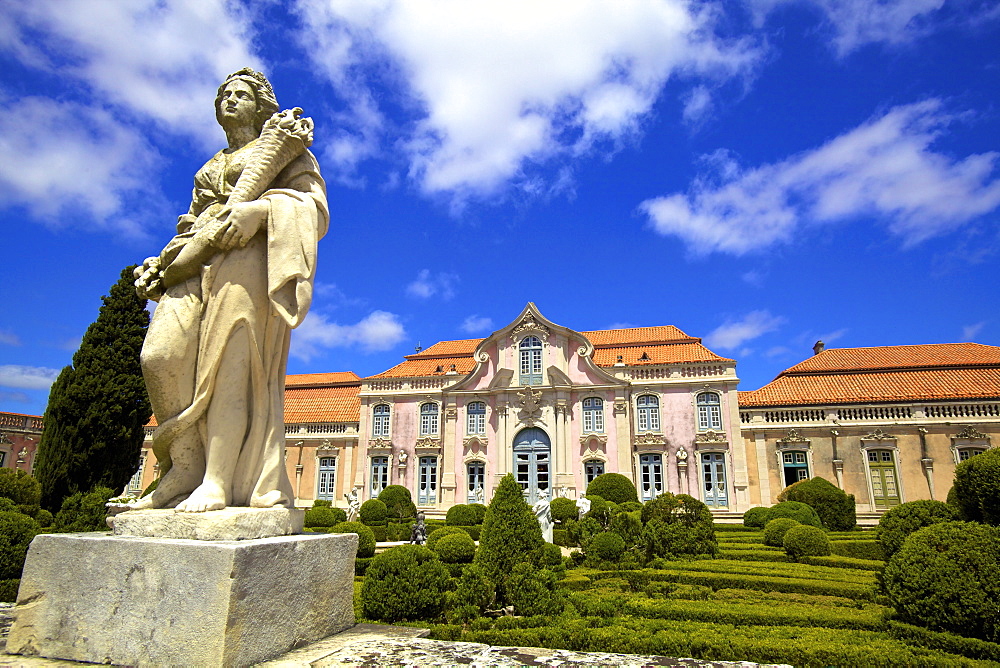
x=830, y=337
x=378, y=331
x=27, y=377
x=734, y=333
x=162, y=60
x=970, y=332
x=19, y=397
x=476, y=324
x=884, y=169
x=427, y=285
x=501, y=86
x=9, y=338
x=697, y=105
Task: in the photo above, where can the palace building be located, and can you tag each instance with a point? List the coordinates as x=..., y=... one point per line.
x=557, y=407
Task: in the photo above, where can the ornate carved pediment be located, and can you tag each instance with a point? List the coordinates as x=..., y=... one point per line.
x=4, y=440
x=531, y=404
x=650, y=439
x=451, y=413
x=793, y=436
x=425, y=442
x=527, y=325
x=621, y=407
x=475, y=442
x=379, y=444
x=710, y=436
x=594, y=442
x=970, y=433
x=878, y=435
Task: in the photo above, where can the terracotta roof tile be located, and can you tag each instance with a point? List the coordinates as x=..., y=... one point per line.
x=429, y=367
x=876, y=387
x=321, y=378
x=897, y=357
x=448, y=349
x=322, y=404
x=658, y=354
x=636, y=335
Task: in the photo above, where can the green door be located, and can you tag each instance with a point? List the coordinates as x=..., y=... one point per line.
x=885, y=480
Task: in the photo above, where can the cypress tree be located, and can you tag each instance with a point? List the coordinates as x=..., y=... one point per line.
x=510, y=534
x=98, y=405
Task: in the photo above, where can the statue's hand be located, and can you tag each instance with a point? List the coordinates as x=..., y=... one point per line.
x=241, y=222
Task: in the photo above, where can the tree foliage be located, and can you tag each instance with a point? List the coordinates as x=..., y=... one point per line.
x=977, y=487
x=509, y=536
x=405, y=583
x=23, y=490
x=98, y=405
x=398, y=502
x=613, y=487
x=900, y=521
x=836, y=508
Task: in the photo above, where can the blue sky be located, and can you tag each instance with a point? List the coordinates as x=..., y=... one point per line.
x=760, y=173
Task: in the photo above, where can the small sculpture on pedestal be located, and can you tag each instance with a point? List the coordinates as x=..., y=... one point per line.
x=543, y=513
x=480, y=494
x=418, y=531
x=353, y=505
x=583, y=506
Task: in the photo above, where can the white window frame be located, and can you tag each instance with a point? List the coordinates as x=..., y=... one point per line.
x=530, y=355
x=135, y=482
x=379, y=468
x=651, y=472
x=647, y=412
x=589, y=464
x=381, y=420
x=429, y=418
x=427, y=481
x=475, y=417
x=326, y=478
x=709, y=412
x=593, y=415
x=471, y=478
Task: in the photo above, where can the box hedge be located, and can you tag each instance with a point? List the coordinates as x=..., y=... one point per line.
x=900, y=521
x=405, y=583
x=366, y=538
x=858, y=549
x=613, y=487
x=455, y=548
x=806, y=541
x=800, y=512
x=398, y=502
x=372, y=512
x=836, y=508
x=774, y=530
x=977, y=487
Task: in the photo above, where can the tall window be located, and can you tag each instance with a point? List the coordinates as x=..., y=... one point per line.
x=795, y=466
x=885, y=482
x=650, y=476
x=713, y=469
x=476, y=418
x=428, y=419
x=649, y=413
x=380, y=475
x=531, y=361
x=966, y=453
x=593, y=468
x=593, y=415
x=709, y=411
x=380, y=421
x=135, y=484
x=324, y=481
x=532, y=449
x=427, y=481
x=476, y=475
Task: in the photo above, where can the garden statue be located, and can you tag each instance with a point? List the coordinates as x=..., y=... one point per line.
x=583, y=506
x=231, y=285
x=543, y=513
x=479, y=494
x=418, y=531
x=353, y=505
x=682, y=455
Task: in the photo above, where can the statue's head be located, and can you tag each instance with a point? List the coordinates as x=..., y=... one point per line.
x=267, y=104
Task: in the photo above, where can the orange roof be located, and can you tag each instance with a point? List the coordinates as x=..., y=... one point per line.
x=674, y=353
x=322, y=378
x=900, y=357
x=435, y=366
x=448, y=349
x=323, y=404
x=637, y=335
x=933, y=372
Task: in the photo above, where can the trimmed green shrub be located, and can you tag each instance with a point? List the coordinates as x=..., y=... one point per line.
x=461, y=515
x=510, y=534
x=8, y=505
x=561, y=537
x=774, y=531
x=381, y=532
x=628, y=526
x=398, y=502
x=8, y=590
x=16, y=532
x=322, y=503
x=455, y=548
x=84, y=511
x=629, y=507
x=858, y=549
x=22, y=489
x=534, y=591
x=606, y=546
x=361, y=565
x=397, y=532
x=366, y=538
x=580, y=532
x=613, y=487
x=324, y=516
x=756, y=517
x=473, y=589
x=836, y=508
x=480, y=511
x=900, y=521
x=837, y=561
x=944, y=577
x=806, y=541
x=564, y=509
x=944, y=641
x=796, y=510
x=977, y=487
x=404, y=583
x=44, y=518
x=675, y=525
x=372, y=512
x=440, y=532
x=601, y=510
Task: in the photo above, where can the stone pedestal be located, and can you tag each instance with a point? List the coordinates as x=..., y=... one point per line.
x=226, y=524
x=160, y=601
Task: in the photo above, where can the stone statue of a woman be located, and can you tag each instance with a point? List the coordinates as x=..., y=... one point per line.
x=231, y=285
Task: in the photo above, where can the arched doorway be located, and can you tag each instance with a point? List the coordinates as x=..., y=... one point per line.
x=532, y=462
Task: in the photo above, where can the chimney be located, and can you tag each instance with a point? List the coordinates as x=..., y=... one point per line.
x=819, y=347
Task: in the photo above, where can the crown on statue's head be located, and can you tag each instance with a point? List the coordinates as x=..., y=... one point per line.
x=255, y=75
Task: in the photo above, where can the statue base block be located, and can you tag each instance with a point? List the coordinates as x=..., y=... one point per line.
x=234, y=523
x=159, y=601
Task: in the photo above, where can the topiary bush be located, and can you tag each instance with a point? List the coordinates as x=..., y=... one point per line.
x=629, y=507
x=84, y=511
x=322, y=503
x=900, y=521
x=564, y=509
x=22, y=489
x=324, y=516
x=440, y=532
x=601, y=510
x=366, y=538
x=774, y=530
x=405, y=583
x=398, y=502
x=510, y=534
x=480, y=511
x=613, y=487
x=580, y=532
x=461, y=515
x=676, y=525
x=977, y=487
x=456, y=548
x=8, y=505
x=756, y=517
x=16, y=532
x=796, y=510
x=473, y=589
x=944, y=577
x=836, y=508
x=534, y=591
x=44, y=518
x=373, y=511
x=629, y=527
x=806, y=541
x=606, y=546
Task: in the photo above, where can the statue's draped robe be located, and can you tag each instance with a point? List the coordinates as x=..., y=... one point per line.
x=265, y=288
